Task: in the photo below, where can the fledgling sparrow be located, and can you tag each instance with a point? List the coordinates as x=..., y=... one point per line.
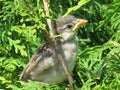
x=44, y=65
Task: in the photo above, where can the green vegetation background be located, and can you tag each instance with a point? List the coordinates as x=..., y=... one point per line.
x=21, y=32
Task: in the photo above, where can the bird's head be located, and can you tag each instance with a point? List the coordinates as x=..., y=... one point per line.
x=68, y=25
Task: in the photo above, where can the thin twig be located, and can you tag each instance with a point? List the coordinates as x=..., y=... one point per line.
x=61, y=58
x=58, y=47
x=46, y=9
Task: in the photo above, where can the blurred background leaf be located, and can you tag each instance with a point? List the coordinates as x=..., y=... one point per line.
x=21, y=31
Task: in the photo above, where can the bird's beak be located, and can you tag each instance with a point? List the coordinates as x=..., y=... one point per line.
x=79, y=24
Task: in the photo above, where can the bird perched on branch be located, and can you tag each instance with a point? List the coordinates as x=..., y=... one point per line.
x=44, y=65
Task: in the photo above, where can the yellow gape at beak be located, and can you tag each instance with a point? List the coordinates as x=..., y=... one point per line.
x=79, y=24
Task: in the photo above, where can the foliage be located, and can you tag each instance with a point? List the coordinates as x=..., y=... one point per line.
x=22, y=26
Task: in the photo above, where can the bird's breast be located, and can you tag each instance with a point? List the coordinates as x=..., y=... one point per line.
x=70, y=52
x=70, y=46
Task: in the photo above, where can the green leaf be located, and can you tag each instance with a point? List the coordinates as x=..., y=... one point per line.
x=4, y=81
x=80, y=4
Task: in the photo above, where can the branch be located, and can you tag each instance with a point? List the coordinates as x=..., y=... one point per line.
x=65, y=68
x=46, y=9
x=61, y=58
x=58, y=45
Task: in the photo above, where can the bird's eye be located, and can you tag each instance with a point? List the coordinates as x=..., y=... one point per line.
x=69, y=26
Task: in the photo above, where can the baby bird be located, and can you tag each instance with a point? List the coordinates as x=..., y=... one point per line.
x=44, y=66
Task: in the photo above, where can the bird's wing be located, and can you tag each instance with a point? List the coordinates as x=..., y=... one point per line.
x=36, y=58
